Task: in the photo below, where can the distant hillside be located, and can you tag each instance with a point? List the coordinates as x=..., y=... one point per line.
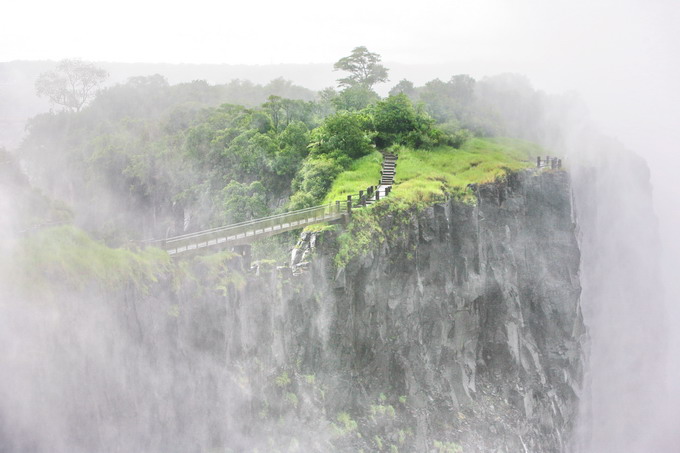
x=18, y=100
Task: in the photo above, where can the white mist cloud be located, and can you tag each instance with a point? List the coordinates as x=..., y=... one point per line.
x=621, y=56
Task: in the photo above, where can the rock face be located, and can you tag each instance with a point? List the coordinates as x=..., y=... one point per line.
x=462, y=330
x=474, y=316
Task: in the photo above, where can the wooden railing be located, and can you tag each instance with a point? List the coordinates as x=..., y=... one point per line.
x=549, y=162
x=245, y=232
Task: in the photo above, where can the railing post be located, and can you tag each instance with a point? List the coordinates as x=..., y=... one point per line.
x=349, y=204
x=388, y=189
x=377, y=194
x=538, y=162
x=559, y=163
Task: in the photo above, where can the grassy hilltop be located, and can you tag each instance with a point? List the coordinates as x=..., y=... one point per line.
x=429, y=175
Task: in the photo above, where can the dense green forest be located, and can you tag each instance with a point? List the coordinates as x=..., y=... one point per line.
x=146, y=159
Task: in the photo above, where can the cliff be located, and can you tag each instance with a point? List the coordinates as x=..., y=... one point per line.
x=474, y=315
x=459, y=329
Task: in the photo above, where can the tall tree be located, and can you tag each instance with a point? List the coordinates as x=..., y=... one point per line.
x=72, y=84
x=404, y=86
x=364, y=68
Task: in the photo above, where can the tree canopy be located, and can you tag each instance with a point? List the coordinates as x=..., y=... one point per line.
x=364, y=69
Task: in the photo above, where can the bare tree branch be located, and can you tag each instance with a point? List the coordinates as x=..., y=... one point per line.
x=72, y=84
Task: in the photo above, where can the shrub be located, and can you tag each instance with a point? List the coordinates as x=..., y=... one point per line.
x=347, y=132
x=398, y=122
x=315, y=179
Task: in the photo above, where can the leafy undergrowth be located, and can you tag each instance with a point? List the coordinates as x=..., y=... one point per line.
x=364, y=172
x=432, y=175
x=68, y=257
x=365, y=232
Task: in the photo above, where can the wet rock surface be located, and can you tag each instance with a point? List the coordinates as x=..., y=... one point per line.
x=472, y=317
x=460, y=333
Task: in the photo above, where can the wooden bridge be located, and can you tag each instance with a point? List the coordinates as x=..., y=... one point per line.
x=245, y=232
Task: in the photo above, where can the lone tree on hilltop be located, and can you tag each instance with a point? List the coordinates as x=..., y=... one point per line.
x=72, y=84
x=364, y=68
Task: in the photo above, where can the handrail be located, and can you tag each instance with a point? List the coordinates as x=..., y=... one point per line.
x=242, y=231
x=248, y=222
x=254, y=228
x=284, y=221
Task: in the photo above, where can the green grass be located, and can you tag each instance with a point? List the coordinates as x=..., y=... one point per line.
x=67, y=256
x=431, y=175
x=364, y=172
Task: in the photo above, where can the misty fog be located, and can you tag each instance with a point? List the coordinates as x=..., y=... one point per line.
x=593, y=83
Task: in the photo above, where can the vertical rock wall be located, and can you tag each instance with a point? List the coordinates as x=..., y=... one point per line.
x=461, y=330
x=474, y=316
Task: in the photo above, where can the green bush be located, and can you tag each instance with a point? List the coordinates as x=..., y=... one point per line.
x=398, y=122
x=314, y=180
x=347, y=132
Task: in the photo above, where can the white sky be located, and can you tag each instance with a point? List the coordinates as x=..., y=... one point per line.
x=623, y=56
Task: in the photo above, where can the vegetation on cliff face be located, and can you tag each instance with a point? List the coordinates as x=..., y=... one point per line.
x=68, y=258
x=365, y=232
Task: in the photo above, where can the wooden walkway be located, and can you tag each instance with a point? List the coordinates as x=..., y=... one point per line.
x=246, y=232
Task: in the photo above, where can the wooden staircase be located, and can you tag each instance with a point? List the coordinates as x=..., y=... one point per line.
x=389, y=167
